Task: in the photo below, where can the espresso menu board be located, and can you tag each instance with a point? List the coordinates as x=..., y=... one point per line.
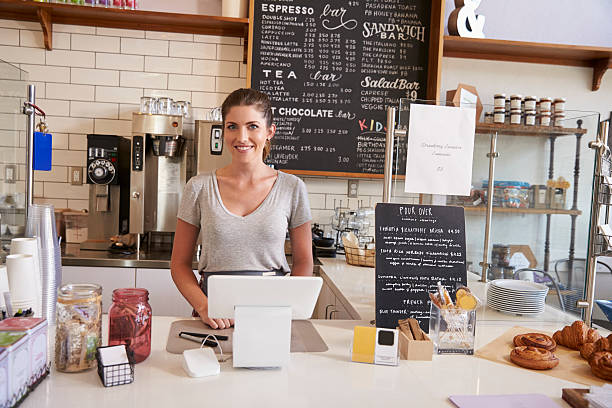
x=331, y=68
x=417, y=246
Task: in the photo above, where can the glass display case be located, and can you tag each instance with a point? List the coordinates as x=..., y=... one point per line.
x=13, y=93
x=536, y=226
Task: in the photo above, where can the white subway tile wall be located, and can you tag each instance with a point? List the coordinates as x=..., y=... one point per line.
x=93, y=79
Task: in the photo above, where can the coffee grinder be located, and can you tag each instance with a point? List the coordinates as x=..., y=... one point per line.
x=159, y=170
x=108, y=176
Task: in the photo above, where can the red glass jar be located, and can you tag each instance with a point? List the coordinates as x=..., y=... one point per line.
x=130, y=321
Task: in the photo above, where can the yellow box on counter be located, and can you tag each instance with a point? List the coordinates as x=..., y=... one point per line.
x=375, y=345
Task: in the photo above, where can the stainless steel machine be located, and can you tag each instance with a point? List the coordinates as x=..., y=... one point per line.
x=159, y=171
x=211, y=153
x=108, y=176
x=162, y=161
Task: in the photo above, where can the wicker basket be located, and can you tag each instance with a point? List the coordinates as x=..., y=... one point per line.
x=360, y=256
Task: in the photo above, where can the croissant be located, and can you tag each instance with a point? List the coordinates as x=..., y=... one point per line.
x=576, y=335
x=603, y=344
x=601, y=364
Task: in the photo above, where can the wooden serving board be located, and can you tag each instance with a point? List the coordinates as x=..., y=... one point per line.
x=571, y=366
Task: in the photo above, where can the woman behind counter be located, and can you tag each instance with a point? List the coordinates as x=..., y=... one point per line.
x=243, y=210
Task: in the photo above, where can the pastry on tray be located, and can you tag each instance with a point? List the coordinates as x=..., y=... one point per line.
x=603, y=344
x=601, y=364
x=576, y=335
x=535, y=340
x=534, y=358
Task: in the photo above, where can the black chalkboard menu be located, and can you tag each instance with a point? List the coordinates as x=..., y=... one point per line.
x=331, y=69
x=417, y=246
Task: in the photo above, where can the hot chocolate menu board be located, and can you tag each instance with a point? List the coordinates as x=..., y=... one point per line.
x=417, y=246
x=331, y=68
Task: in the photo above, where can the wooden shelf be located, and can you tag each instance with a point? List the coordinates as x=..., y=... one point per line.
x=522, y=130
x=482, y=209
x=49, y=13
x=598, y=58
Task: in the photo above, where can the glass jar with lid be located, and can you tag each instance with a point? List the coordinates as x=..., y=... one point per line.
x=129, y=319
x=79, y=328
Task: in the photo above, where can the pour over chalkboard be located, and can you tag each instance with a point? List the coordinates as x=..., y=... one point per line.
x=417, y=246
x=331, y=69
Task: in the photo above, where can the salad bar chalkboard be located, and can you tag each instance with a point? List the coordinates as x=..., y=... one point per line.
x=331, y=68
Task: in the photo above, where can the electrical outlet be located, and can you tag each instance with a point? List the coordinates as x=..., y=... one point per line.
x=353, y=188
x=76, y=176
x=10, y=173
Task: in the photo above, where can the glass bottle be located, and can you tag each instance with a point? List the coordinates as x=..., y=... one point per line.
x=130, y=321
x=79, y=329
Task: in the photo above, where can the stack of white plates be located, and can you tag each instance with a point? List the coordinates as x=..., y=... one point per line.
x=516, y=296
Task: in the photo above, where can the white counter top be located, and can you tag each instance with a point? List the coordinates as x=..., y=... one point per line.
x=319, y=380
x=357, y=285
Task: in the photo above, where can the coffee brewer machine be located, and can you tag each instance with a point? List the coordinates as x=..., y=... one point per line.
x=108, y=176
x=160, y=168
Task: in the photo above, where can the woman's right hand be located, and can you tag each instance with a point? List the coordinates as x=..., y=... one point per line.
x=214, y=323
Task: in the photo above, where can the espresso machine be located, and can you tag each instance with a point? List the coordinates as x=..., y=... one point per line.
x=108, y=176
x=160, y=168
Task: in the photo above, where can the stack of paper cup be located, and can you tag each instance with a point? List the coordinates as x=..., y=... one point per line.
x=21, y=277
x=4, y=285
x=41, y=224
x=29, y=246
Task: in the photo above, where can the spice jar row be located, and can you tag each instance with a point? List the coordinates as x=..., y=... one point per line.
x=528, y=110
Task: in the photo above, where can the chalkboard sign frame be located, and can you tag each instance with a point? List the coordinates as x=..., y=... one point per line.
x=416, y=246
x=435, y=48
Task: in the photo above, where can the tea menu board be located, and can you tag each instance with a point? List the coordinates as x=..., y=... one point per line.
x=417, y=246
x=331, y=68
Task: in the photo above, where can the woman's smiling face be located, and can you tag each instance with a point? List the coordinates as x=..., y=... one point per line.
x=245, y=132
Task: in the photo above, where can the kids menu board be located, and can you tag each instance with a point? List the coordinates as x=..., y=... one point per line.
x=417, y=246
x=331, y=68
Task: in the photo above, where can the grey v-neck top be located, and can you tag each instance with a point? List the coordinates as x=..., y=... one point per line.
x=255, y=242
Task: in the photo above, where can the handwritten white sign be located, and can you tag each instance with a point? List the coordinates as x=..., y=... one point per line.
x=440, y=150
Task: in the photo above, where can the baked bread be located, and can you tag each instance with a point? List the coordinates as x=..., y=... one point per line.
x=601, y=364
x=538, y=340
x=576, y=335
x=587, y=349
x=603, y=344
x=533, y=357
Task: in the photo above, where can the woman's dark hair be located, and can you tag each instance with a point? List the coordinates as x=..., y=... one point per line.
x=250, y=97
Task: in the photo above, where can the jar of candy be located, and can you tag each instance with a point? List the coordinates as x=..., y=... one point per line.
x=129, y=320
x=79, y=328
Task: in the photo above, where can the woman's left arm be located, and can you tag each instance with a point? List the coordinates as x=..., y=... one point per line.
x=301, y=250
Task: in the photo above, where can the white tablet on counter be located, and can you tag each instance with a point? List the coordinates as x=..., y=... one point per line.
x=225, y=292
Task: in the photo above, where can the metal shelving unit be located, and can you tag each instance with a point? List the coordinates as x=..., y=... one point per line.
x=601, y=202
x=538, y=131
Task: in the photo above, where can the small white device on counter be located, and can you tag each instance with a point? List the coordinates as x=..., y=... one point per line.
x=201, y=362
x=262, y=308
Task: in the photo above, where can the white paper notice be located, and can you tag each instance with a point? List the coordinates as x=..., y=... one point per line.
x=440, y=150
x=466, y=98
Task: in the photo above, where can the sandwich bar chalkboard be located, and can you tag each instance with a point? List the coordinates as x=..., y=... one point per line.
x=417, y=246
x=331, y=68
